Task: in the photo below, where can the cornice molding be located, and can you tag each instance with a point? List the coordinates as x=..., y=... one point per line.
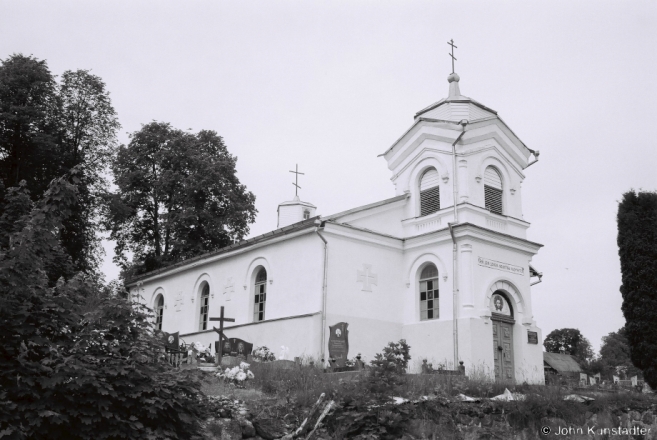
x=202, y=261
x=364, y=235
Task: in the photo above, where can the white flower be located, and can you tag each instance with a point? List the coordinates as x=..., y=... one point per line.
x=244, y=366
x=241, y=376
x=250, y=375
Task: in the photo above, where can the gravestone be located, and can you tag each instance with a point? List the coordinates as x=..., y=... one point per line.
x=235, y=347
x=339, y=343
x=170, y=340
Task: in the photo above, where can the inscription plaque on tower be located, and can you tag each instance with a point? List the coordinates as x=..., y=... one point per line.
x=532, y=337
x=339, y=343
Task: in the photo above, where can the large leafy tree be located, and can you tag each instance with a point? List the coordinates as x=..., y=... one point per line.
x=29, y=126
x=637, y=248
x=69, y=375
x=47, y=128
x=178, y=196
x=88, y=126
x=615, y=354
x=573, y=342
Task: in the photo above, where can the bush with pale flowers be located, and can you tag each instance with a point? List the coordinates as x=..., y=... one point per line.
x=237, y=375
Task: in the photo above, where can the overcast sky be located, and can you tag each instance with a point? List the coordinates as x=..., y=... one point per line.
x=330, y=85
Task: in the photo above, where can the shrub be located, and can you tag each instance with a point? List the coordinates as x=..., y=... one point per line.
x=388, y=367
x=65, y=374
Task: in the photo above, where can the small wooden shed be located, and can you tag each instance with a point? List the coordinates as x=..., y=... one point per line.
x=558, y=364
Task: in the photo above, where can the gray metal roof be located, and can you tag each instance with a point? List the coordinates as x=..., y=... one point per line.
x=309, y=223
x=563, y=363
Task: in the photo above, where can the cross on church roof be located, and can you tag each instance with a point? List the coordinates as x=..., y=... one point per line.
x=451, y=43
x=296, y=182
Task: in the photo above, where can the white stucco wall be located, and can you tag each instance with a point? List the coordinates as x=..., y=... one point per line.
x=294, y=284
x=301, y=335
x=373, y=316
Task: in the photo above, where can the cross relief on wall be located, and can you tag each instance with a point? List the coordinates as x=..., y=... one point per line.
x=366, y=277
x=229, y=289
x=179, y=301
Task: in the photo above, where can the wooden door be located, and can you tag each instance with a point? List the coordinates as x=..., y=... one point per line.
x=503, y=351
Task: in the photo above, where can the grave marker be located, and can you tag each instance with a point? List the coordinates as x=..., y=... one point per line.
x=220, y=330
x=235, y=347
x=339, y=343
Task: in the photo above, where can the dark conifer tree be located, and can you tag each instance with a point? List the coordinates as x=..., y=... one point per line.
x=637, y=248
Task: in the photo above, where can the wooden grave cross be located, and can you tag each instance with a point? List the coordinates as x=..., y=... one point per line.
x=220, y=330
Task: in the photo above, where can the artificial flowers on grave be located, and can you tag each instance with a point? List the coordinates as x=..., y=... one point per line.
x=237, y=375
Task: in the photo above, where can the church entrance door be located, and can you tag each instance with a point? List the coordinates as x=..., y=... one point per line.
x=503, y=350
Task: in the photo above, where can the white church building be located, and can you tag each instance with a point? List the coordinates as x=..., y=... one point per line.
x=444, y=264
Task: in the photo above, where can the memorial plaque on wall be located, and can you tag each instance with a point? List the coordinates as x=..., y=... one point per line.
x=338, y=344
x=532, y=337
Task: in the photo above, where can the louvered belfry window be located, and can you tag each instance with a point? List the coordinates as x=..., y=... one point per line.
x=493, y=190
x=429, y=192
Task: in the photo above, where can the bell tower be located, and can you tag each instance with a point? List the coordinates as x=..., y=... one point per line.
x=462, y=167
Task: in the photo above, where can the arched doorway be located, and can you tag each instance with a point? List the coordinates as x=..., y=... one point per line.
x=502, y=318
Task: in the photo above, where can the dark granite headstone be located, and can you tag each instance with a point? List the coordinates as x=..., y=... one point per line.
x=170, y=340
x=339, y=343
x=241, y=347
x=235, y=347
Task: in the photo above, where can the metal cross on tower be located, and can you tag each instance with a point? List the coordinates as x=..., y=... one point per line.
x=451, y=43
x=296, y=182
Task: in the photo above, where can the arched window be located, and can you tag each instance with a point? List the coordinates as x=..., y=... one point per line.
x=159, y=311
x=429, y=293
x=306, y=214
x=260, y=295
x=429, y=192
x=493, y=190
x=205, y=306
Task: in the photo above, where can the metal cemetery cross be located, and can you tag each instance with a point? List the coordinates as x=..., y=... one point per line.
x=366, y=277
x=451, y=43
x=296, y=183
x=220, y=330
